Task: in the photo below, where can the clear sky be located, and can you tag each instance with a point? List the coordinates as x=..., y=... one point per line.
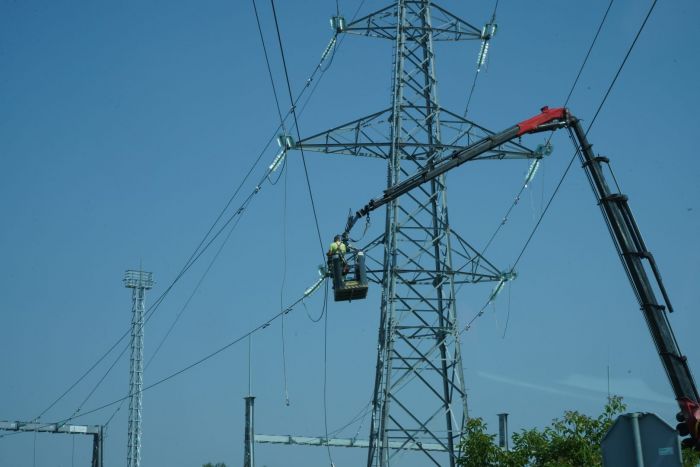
x=125, y=128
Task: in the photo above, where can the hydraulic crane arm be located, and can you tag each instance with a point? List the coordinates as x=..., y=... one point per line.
x=549, y=119
x=625, y=234
x=634, y=255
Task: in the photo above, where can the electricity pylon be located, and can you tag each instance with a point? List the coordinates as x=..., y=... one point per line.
x=419, y=393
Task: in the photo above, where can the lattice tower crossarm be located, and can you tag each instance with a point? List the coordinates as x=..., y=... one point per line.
x=139, y=282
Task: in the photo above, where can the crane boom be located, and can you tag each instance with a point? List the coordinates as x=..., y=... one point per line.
x=625, y=234
x=549, y=119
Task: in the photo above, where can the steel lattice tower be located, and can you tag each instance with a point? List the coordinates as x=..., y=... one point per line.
x=139, y=282
x=419, y=398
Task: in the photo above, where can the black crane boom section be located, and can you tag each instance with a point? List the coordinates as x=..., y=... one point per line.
x=549, y=119
x=625, y=234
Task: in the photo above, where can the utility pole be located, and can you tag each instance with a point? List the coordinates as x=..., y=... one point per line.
x=419, y=392
x=249, y=439
x=503, y=431
x=139, y=282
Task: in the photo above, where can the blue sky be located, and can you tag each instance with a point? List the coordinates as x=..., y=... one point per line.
x=124, y=129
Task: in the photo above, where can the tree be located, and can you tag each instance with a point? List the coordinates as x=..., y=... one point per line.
x=478, y=447
x=218, y=464
x=573, y=440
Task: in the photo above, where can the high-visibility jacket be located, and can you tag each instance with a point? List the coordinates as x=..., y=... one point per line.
x=337, y=246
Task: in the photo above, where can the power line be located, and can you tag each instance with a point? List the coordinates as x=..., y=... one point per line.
x=281, y=126
x=199, y=283
x=149, y=313
x=231, y=231
x=267, y=61
x=99, y=382
x=360, y=416
x=619, y=70
x=296, y=126
x=516, y=200
x=209, y=356
x=199, y=251
x=201, y=280
x=194, y=292
x=491, y=297
x=195, y=256
x=196, y=253
x=590, y=125
x=318, y=230
x=573, y=157
x=588, y=54
x=471, y=93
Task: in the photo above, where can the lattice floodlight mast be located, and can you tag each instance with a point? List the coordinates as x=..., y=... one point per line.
x=139, y=282
x=419, y=395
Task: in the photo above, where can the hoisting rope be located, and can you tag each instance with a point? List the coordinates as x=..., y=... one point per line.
x=364, y=232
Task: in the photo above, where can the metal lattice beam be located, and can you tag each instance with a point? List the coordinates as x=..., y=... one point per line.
x=444, y=27
x=96, y=431
x=139, y=282
x=369, y=136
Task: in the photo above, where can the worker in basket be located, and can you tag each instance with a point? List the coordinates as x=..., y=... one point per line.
x=339, y=248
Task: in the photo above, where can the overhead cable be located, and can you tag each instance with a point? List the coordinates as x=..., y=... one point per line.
x=296, y=126
x=535, y=164
x=267, y=61
x=185, y=369
x=590, y=125
x=492, y=295
x=195, y=256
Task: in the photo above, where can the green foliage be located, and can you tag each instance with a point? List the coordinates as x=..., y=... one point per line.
x=218, y=464
x=479, y=445
x=691, y=458
x=573, y=440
